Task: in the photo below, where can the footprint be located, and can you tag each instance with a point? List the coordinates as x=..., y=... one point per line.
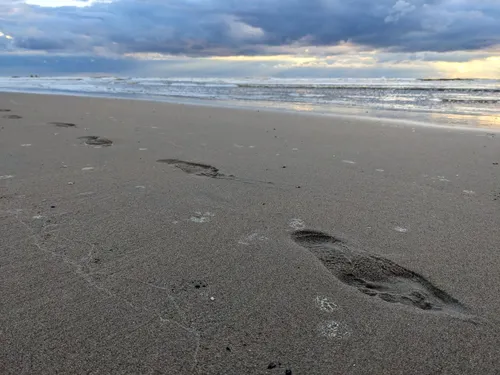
x=194, y=168
x=94, y=140
x=12, y=117
x=374, y=275
x=205, y=170
x=63, y=124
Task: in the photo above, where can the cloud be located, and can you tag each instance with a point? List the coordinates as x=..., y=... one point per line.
x=400, y=9
x=227, y=27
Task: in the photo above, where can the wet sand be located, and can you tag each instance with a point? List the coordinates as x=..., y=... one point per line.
x=144, y=238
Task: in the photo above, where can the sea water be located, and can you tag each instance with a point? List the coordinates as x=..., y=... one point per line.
x=469, y=103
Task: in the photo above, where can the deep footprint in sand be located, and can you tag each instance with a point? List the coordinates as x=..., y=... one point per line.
x=374, y=275
x=63, y=124
x=198, y=169
x=12, y=117
x=94, y=140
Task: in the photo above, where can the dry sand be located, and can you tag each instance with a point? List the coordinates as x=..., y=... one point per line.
x=261, y=243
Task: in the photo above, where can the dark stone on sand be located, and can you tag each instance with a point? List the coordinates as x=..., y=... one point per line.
x=495, y=163
x=4, y=110
x=52, y=206
x=199, y=284
x=271, y=366
x=228, y=348
x=288, y=372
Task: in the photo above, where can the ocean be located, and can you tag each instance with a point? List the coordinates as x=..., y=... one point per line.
x=460, y=103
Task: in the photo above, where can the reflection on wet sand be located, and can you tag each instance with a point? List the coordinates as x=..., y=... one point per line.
x=477, y=121
x=490, y=121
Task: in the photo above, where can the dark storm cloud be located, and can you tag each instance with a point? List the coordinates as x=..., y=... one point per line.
x=234, y=27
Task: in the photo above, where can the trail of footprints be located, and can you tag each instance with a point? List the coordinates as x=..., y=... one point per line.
x=198, y=169
x=9, y=117
x=375, y=276
x=370, y=274
x=91, y=140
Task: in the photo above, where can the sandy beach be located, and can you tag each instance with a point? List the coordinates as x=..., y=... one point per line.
x=152, y=238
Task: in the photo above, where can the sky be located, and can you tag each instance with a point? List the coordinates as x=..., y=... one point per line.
x=253, y=38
